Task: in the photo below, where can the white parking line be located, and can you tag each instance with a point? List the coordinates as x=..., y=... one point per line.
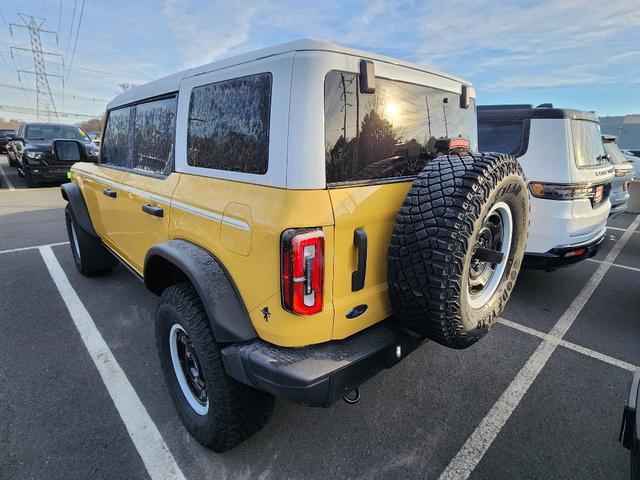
x=35, y=247
x=145, y=435
x=570, y=345
x=620, y=229
x=486, y=432
x=6, y=178
x=616, y=265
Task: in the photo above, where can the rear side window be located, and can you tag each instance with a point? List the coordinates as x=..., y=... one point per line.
x=390, y=134
x=587, y=143
x=503, y=136
x=229, y=125
x=141, y=137
x=153, y=136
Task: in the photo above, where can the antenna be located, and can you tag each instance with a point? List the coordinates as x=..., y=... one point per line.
x=45, y=106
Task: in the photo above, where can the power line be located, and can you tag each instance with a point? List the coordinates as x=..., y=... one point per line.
x=75, y=44
x=59, y=17
x=33, y=111
x=73, y=19
x=75, y=97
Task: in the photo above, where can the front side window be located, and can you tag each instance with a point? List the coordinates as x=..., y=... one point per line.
x=141, y=137
x=587, y=143
x=390, y=134
x=503, y=136
x=229, y=125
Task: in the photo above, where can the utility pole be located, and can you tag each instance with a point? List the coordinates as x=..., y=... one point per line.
x=45, y=106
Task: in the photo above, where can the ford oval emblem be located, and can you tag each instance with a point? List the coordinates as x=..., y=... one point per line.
x=357, y=311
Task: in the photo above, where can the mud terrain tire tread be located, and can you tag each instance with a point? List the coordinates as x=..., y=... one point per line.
x=236, y=411
x=431, y=242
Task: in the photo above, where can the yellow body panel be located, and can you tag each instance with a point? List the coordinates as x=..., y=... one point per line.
x=123, y=225
x=241, y=225
x=204, y=212
x=373, y=208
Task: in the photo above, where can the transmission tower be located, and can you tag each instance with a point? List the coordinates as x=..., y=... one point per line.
x=45, y=106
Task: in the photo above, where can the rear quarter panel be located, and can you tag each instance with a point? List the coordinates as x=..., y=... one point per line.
x=207, y=211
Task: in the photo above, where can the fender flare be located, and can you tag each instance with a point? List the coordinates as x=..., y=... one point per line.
x=178, y=260
x=71, y=193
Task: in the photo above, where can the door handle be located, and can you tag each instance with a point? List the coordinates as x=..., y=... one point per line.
x=360, y=242
x=151, y=210
x=110, y=193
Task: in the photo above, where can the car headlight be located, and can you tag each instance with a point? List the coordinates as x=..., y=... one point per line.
x=33, y=155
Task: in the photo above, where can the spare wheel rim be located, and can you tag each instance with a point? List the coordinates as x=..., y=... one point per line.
x=493, y=242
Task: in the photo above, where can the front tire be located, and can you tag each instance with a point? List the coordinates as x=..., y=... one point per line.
x=217, y=411
x=457, y=246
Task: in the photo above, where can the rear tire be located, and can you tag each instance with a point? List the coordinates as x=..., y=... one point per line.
x=460, y=208
x=232, y=412
x=89, y=254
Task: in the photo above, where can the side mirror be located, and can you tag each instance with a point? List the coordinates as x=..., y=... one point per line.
x=69, y=151
x=367, y=77
x=464, y=97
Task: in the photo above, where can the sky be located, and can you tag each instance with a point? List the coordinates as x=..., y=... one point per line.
x=568, y=52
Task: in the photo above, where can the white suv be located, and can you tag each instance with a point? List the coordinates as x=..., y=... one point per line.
x=567, y=172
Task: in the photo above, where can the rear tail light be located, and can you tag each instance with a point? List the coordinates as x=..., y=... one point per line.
x=302, y=270
x=621, y=172
x=570, y=191
x=575, y=253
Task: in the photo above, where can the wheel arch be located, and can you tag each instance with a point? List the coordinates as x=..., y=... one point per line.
x=180, y=260
x=71, y=193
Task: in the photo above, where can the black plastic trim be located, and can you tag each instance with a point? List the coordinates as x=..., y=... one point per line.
x=555, y=258
x=178, y=260
x=318, y=375
x=630, y=420
x=71, y=193
x=360, y=242
x=521, y=112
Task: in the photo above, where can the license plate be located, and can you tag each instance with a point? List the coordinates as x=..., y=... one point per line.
x=598, y=194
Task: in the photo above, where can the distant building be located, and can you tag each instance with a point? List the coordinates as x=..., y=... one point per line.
x=626, y=128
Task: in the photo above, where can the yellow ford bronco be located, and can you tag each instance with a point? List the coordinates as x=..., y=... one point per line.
x=308, y=215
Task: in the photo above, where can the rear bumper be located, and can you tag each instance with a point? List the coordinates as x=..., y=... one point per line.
x=562, y=256
x=318, y=375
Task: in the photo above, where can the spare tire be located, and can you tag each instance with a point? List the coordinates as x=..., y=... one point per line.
x=457, y=246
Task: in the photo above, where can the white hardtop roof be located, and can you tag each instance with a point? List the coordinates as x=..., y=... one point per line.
x=171, y=83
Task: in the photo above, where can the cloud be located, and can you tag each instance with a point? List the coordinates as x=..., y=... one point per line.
x=205, y=33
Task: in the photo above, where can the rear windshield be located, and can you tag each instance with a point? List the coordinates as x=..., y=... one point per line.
x=587, y=143
x=503, y=136
x=390, y=134
x=615, y=155
x=51, y=132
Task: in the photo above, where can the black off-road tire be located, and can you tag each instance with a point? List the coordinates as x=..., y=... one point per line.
x=235, y=411
x=89, y=254
x=435, y=238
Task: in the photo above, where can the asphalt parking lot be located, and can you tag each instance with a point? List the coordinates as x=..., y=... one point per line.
x=540, y=397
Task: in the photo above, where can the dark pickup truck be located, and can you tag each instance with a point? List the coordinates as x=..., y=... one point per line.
x=36, y=159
